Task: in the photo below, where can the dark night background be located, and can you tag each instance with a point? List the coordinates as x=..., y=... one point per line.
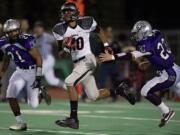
x=118, y=13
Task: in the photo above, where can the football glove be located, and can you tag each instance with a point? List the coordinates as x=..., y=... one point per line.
x=37, y=82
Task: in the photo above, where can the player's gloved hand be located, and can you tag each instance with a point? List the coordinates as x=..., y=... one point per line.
x=37, y=82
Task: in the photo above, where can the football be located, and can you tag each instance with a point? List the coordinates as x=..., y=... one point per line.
x=109, y=50
x=69, y=42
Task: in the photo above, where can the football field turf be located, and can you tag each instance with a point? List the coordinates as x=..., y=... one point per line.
x=100, y=118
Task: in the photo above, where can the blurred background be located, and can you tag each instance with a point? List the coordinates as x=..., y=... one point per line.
x=116, y=18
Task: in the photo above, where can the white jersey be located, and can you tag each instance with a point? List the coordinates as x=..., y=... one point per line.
x=81, y=33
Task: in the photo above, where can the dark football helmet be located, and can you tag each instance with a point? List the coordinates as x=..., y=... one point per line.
x=69, y=12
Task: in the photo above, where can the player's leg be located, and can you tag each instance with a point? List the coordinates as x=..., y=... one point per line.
x=32, y=96
x=16, y=84
x=122, y=89
x=176, y=86
x=90, y=86
x=93, y=93
x=79, y=73
x=159, y=83
x=82, y=69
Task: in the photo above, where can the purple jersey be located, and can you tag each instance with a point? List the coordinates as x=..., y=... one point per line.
x=161, y=57
x=19, y=50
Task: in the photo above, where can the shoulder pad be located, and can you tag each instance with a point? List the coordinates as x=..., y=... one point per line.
x=60, y=28
x=85, y=22
x=3, y=40
x=157, y=33
x=26, y=37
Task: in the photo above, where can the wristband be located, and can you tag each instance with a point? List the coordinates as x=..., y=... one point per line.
x=106, y=44
x=39, y=71
x=113, y=57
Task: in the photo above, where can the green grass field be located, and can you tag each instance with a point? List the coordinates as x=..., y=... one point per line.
x=100, y=118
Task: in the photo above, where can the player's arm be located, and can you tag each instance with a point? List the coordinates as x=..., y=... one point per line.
x=95, y=28
x=5, y=64
x=61, y=41
x=100, y=32
x=122, y=56
x=37, y=57
x=63, y=51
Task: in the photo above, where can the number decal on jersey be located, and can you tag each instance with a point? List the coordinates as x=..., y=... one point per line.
x=164, y=52
x=11, y=55
x=18, y=55
x=79, y=43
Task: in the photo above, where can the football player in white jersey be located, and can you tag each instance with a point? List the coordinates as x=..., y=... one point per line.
x=73, y=36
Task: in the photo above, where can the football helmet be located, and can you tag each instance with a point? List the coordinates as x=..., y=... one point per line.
x=11, y=26
x=69, y=12
x=141, y=30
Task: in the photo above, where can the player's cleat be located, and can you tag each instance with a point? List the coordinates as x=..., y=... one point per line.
x=18, y=127
x=124, y=90
x=68, y=122
x=166, y=117
x=44, y=95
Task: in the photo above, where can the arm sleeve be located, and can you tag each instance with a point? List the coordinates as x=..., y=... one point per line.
x=138, y=54
x=30, y=43
x=123, y=56
x=130, y=55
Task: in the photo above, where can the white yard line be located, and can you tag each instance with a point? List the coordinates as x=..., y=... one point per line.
x=63, y=132
x=138, y=106
x=88, y=114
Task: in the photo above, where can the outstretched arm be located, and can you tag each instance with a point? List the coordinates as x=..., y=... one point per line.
x=122, y=56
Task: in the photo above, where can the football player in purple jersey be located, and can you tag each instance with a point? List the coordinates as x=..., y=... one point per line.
x=151, y=45
x=21, y=49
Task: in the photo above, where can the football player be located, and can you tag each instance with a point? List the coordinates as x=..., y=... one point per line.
x=21, y=49
x=151, y=45
x=72, y=35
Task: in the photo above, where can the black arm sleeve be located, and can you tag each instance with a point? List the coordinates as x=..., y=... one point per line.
x=60, y=48
x=97, y=30
x=126, y=56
